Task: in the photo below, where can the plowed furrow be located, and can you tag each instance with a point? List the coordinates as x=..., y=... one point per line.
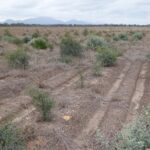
x=63, y=79
x=9, y=108
x=120, y=103
x=138, y=94
x=69, y=81
x=45, y=75
x=13, y=106
x=93, y=124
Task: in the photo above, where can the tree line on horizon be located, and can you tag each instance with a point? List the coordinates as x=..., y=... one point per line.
x=78, y=25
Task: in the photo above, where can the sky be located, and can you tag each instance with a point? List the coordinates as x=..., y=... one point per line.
x=92, y=11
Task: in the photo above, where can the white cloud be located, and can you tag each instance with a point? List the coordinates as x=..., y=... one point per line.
x=95, y=11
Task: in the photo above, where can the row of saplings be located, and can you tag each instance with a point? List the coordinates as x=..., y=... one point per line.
x=41, y=42
x=70, y=48
x=35, y=40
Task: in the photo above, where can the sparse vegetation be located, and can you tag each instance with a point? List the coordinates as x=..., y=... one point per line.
x=85, y=32
x=115, y=37
x=137, y=36
x=7, y=33
x=39, y=43
x=85, y=91
x=18, y=59
x=147, y=55
x=43, y=102
x=120, y=36
x=49, y=44
x=36, y=34
x=16, y=41
x=11, y=138
x=95, y=41
x=81, y=78
x=106, y=56
x=70, y=47
x=134, y=136
x=97, y=68
x=123, y=36
x=26, y=39
x=12, y=39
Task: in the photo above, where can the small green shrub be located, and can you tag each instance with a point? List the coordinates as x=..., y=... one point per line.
x=36, y=35
x=116, y=37
x=7, y=36
x=49, y=45
x=39, y=43
x=134, y=136
x=12, y=39
x=85, y=32
x=147, y=55
x=103, y=142
x=81, y=78
x=95, y=41
x=137, y=36
x=120, y=36
x=26, y=39
x=43, y=102
x=123, y=36
x=106, y=56
x=17, y=41
x=70, y=46
x=18, y=59
x=7, y=33
x=11, y=138
x=97, y=68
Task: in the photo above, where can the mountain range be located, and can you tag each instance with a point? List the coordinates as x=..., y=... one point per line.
x=44, y=21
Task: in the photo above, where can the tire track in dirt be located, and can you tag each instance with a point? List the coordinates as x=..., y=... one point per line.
x=50, y=73
x=60, y=80
x=4, y=77
x=145, y=98
x=93, y=124
x=10, y=110
x=39, y=79
x=70, y=82
x=24, y=114
x=138, y=94
x=16, y=84
x=43, y=75
x=64, y=80
x=118, y=108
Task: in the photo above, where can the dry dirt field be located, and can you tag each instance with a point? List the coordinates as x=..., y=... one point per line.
x=106, y=102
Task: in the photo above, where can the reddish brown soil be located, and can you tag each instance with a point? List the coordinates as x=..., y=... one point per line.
x=106, y=102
